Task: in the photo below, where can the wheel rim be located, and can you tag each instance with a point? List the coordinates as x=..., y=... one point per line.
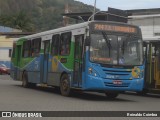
x=65, y=85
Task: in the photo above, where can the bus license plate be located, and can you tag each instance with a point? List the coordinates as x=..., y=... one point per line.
x=117, y=82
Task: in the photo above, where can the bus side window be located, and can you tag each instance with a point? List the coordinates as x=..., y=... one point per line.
x=36, y=46
x=65, y=43
x=78, y=44
x=55, y=44
x=26, y=49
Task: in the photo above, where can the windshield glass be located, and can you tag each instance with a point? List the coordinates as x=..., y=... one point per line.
x=116, y=49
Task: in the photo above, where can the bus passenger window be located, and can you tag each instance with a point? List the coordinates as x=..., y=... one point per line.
x=36, y=45
x=65, y=43
x=55, y=45
x=26, y=49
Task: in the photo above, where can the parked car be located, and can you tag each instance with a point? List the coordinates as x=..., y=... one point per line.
x=4, y=69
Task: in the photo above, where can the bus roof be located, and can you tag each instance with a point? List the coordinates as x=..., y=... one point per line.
x=67, y=28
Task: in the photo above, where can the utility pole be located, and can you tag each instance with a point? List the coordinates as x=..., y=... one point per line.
x=65, y=18
x=94, y=11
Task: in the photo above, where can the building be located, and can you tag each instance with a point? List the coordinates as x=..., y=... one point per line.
x=7, y=36
x=148, y=20
x=5, y=50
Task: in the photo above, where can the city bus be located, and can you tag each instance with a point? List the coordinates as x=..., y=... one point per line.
x=97, y=56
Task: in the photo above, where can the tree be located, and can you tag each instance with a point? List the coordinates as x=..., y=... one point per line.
x=19, y=21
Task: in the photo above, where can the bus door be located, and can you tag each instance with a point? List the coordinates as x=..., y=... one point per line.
x=150, y=66
x=157, y=66
x=45, y=61
x=78, y=51
x=152, y=71
x=18, y=59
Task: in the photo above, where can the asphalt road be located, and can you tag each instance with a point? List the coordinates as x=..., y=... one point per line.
x=13, y=97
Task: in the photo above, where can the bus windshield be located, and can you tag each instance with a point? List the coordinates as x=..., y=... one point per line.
x=115, y=49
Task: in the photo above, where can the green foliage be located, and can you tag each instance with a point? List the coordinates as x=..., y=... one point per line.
x=19, y=21
x=37, y=15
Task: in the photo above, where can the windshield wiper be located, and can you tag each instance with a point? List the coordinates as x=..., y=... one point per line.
x=107, y=41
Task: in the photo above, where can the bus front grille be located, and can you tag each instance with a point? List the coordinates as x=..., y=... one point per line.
x=118, y=74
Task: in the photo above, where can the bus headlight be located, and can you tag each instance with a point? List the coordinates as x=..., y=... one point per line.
x=93, y=72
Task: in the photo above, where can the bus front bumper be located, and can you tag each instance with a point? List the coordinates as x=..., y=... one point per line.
x=97, y=83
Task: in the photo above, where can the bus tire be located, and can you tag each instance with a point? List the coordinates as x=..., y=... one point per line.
x=111, y=95
x=65, y=88
x=25, y=83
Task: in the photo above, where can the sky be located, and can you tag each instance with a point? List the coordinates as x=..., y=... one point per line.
x=123, y=4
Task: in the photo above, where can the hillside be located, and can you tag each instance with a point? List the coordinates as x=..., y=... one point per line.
x=43, y=14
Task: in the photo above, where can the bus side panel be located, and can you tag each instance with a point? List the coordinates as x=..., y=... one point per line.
x=33, y=69
x=58, y=65
x=13, y=67
x=16, y=61
x=53, y=73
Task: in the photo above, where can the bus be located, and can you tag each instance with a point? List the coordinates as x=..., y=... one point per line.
x=151, y=47
x=98, y=56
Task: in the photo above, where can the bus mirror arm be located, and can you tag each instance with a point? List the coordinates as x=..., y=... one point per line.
x=87, y=41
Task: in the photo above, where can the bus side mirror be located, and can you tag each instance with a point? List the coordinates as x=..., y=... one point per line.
x=87, y=41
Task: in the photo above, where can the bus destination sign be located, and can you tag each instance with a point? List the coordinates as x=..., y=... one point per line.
x=114, y=28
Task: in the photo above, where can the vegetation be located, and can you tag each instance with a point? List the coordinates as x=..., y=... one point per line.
x=37, y=15
x=18, y=21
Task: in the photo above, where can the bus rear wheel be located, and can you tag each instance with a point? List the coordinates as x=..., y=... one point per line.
x=65, y=85
x=111, y=95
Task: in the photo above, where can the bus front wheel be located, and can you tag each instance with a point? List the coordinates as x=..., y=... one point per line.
x=111, y=95
x=65, y=85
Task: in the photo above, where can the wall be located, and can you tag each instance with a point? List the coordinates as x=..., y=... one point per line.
x=5, y=46
x=150, y=26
